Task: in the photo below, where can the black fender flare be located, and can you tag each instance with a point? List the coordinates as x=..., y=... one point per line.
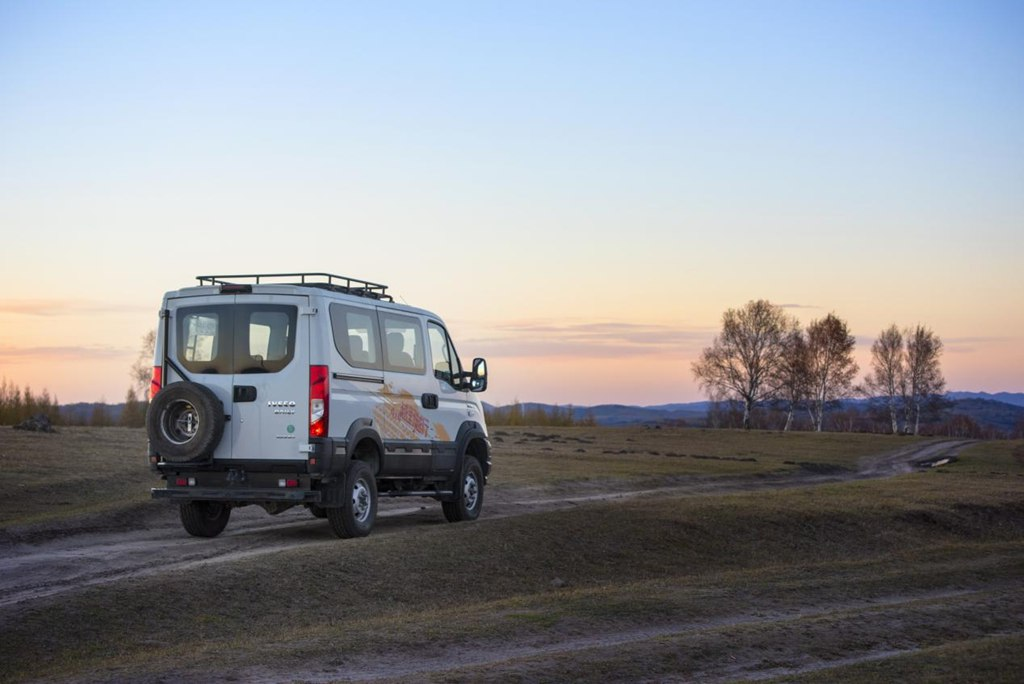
x=362, y=429
x=469, y=431
x=332, y=489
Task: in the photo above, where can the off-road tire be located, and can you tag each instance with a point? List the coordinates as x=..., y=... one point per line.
x=204, y=518
x=358, y=510
x=317, y=511
x=470, y=492
x=185, y=422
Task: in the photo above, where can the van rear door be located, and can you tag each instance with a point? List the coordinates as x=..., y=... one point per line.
x=200, y=343
x=252, y=351
x=271, y=382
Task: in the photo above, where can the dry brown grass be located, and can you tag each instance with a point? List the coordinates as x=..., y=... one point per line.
x=79, y=470
x=917, y=566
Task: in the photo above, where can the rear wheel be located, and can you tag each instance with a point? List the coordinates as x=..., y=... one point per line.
x=356, y=515
x=204, y=518
x=470, y=494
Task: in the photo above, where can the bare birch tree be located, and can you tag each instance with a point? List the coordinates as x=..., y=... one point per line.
x=141, y=371
x=793, y=375
x=888, y=372
x=744, y=361
x=924, y=382
x=831, y=367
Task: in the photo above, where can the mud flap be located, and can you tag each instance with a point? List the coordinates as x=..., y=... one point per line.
x=332, y=491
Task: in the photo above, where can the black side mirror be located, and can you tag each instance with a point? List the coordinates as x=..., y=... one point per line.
x=478, y=381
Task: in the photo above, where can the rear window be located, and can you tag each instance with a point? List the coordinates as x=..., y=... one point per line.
x=240, y=338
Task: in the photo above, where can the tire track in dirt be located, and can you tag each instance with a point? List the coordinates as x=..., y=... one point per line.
x=33, y=572
x=472, y=663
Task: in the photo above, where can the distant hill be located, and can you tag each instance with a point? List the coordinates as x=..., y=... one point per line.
x=82, y=412
x=1014, y=398
x=1003, y=413
x=998, y=414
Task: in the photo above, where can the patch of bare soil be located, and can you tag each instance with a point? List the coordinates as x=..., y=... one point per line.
x=43, y=561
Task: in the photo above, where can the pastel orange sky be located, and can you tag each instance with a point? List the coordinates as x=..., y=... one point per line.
x=580, y=190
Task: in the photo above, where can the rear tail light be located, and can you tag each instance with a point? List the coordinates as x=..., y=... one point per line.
x=287, y=483
x=319, y=400
x=156, y=381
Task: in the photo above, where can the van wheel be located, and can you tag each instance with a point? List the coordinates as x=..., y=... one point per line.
x=356, y=515
x=470, y=495
x=317, y=511
x=185, y=422
x=204, y=518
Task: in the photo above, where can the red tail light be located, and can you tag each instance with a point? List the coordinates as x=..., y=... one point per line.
x=156, y=382
x=319, y=400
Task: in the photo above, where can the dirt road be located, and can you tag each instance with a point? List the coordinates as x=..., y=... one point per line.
x=150, y=539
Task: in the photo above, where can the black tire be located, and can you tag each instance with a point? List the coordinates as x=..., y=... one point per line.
x=356, y=515
x=317, y=511
x=204, y=518
x=185, y=422
x=470, y=491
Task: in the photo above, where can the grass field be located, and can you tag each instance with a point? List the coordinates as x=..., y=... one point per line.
x=913, y=578
x=75, y=472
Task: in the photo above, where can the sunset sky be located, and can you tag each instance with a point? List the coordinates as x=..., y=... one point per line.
x=579, y=188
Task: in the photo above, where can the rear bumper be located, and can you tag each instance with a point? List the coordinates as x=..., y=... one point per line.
x=236, y=495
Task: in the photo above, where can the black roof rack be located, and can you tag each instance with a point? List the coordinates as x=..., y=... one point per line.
x=326, y=281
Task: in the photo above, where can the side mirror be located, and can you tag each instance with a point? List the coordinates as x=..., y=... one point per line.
x=478, y=381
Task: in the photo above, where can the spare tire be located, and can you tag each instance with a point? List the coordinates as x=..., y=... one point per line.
x=185, y=422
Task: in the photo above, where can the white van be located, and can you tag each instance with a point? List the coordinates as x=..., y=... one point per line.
x=310, y=389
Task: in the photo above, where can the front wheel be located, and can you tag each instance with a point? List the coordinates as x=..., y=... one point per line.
x=204, y=518
x=470, y=494
x=358, y=511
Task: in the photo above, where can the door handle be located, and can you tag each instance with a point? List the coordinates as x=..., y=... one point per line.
x=429, y=401
x=244, y=393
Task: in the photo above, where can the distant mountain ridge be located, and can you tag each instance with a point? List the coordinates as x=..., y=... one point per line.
x=1001, y=411
x=1013, y=398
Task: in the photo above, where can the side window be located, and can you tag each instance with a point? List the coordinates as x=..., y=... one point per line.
x=403, y=343
x=442, y=353
x=355, y=335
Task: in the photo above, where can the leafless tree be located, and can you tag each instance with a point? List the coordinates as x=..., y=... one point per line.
x=831, y=367
x=794, y=373
x=141, y=371
x=744, y=361
x=888, y=372
x=924, y=382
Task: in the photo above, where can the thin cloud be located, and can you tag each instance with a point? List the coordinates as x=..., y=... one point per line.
x=587, y=340
x=969, y=345
x=799, y=306
x=15, y=354
x=65, y=307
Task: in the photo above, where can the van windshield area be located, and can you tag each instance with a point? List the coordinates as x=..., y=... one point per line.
x=239, y=338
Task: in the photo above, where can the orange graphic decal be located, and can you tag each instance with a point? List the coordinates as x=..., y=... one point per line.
x=399, y=416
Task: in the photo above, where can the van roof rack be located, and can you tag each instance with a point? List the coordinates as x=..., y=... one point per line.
x=326, y=281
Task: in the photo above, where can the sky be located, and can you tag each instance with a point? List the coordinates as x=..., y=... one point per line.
x=580, y=189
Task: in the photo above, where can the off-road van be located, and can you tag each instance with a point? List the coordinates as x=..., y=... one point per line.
x=310, y=389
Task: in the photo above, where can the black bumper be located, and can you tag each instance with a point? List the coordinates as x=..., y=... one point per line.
x=230, y=495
